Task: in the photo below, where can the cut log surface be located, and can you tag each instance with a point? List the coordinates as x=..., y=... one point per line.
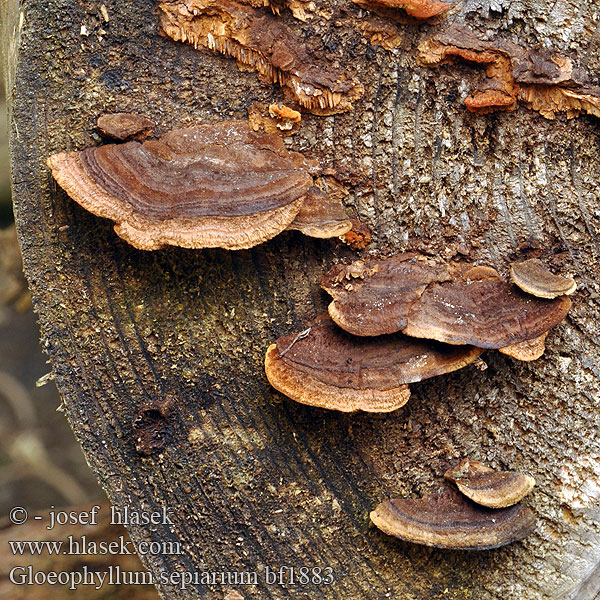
x=159, y=355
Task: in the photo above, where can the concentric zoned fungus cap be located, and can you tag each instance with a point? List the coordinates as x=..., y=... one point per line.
x=482, y=310
x=121, y=126
x=418, y=9
x=448, y=520
x=373, y=297
x=209, y=186
x=452, y=303
x=526, y=350
x=534, y=278
x=262, y=42
x=495, y=489
x=325, y=367
x=321, y=217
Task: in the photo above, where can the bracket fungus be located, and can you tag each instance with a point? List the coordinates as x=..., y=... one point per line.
x=449, y=302
x=320, y=216
x=417, y=9
x=535, y=279
x=221, y=185
x=328, y=368
x=544, y=81
x=485, y=486
x=527, y=350
x=448, y=520
x=260, y=41
x=122, y=126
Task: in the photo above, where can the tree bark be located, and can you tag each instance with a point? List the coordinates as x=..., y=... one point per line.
x=255, y=481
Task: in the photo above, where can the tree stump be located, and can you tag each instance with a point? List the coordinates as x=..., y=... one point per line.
x=174, y=340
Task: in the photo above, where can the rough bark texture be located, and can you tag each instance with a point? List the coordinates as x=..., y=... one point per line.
x=253, y=479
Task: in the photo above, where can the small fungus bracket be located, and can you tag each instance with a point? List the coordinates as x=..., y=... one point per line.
x=448, y=520
x=488, y=487
x=123, y=126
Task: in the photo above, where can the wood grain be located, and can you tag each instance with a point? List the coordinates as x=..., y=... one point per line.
x=253, y=479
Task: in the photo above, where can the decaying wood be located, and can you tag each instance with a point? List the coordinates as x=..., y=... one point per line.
x=254, y=480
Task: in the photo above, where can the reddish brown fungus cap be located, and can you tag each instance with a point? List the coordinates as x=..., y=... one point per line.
x=326, y=367
x=452, y=303
x=358, y=237
x=122, y=126
x=321, y=217
x=220, y=185
x=448, y=520
x=418, y=9
x=495, y=489
x=373, y=297
x=534, y=278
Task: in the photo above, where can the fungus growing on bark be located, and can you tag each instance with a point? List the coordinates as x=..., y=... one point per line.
x=324, y=366
x=527, y=350
x=262, y=42
x=381, y=32
x=321, y=217
x=448, y=520
x=219, y=185
x=274, y=118
x=485, y=486
x=285, y=114
x=121, y=126
x=359, y=236
x=449, y=302
x=534, y=278
x=298, y=8
x=544, y=81
x=417, y=9
x=373, y=297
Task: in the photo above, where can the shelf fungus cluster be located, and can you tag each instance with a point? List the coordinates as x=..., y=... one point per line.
x=220, y=185
x=484, y=515
x=403, y=319
x=543, y=81
x=260, y=41
x=452, y=303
